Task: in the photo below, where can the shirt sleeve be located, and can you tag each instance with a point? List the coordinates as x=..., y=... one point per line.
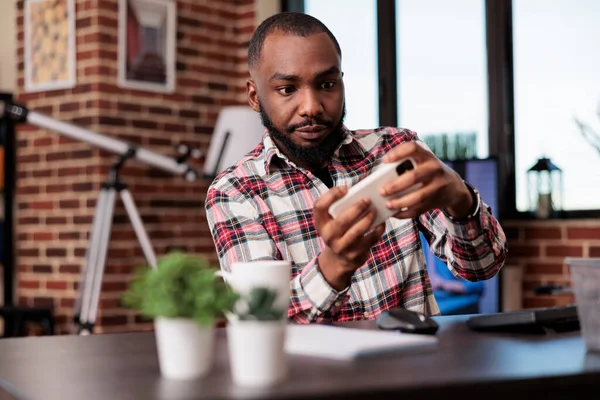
x=239, y=233
x=473, y=249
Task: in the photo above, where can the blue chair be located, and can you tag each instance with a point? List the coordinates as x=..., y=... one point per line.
x=451, y=302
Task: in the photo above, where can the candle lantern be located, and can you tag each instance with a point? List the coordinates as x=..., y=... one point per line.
x=545, y=189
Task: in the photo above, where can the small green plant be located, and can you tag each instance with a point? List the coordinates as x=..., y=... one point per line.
x=259, y=305
x=182, y=286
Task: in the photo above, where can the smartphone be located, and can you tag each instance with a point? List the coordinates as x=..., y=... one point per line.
x=369, y=188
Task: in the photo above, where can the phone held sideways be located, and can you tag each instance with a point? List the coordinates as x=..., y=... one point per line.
x=369, y=188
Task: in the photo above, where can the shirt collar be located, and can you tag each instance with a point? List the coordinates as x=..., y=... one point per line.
x=272, y=152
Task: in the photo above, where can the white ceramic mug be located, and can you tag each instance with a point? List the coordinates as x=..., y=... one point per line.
x=272, y=274
x=257, y=352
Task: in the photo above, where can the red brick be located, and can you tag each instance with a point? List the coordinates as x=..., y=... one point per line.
x=65, y=107
x=43, y=236
x=110, y=303
x=524, y=251
x=24, y=284
x=539, y=301
x=42, y=173
x=56, y=252
x=28, y=190
x=60, y=188
x=28, y=220
x=58, y=285
x=43, y=301
x=67, y=303
x=113, y=320
x=542, y=233
x=87, y=55
x=56, y=220
x=584, y=233
x=69, y=269
x=107, y=22
x=544, y=268
x=28, y=159
x=42, y=269
x=41, y=205
x=594, y=251
x=564, y=251
x=69, y=235
x=42, y=142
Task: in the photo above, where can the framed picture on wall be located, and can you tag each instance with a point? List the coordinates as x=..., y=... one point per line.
x=49, y=41
x=147, y=45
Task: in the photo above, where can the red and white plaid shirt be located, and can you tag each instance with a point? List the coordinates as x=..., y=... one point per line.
x=262, y=208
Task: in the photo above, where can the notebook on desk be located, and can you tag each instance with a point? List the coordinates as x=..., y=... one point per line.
x=342, y=343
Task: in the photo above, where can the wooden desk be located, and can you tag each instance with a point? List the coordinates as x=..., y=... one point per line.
x=467, y=364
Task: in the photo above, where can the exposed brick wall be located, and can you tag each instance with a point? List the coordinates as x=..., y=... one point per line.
x=59, y=179
x=540, y=248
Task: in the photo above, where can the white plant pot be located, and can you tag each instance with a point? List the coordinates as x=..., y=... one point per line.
x=185, y=349
x=257, y=354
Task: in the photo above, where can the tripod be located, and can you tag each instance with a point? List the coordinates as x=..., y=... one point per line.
x=86, y=306
x=91, y=283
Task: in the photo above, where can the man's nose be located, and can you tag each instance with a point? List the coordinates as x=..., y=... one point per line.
x=310, y=104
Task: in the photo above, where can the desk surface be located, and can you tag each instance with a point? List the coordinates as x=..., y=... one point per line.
x=468, y=364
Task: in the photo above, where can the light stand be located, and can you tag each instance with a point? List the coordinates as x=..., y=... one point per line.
x=90, y=287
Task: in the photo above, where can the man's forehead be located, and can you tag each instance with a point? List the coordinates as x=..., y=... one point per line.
x=286, y=53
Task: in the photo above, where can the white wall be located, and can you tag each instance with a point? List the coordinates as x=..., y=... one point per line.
x=266, y=8
x=8, y=46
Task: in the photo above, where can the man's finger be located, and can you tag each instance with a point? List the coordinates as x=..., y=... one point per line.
x=374, y=234
x=346, y=221
x=415, y=203
x=361, y=248
x=356, y=231
x=423, y=174
x=321, y=208
x=407, y=149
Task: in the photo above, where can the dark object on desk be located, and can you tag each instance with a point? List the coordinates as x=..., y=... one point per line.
x=552, y=289
x=536, y=320
x=401, y=319
x=16, y=320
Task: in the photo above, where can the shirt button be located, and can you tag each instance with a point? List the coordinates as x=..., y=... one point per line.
x=366, y=314
x=338, y=303
x=471, y=232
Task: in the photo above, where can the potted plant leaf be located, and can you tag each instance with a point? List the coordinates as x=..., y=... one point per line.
x=185, y=298
x=256, y=339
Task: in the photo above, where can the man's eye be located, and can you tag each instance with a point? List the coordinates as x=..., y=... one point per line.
x=287, y=90
x=328, y=85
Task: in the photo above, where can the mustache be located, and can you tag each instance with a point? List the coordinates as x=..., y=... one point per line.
x=309, y=122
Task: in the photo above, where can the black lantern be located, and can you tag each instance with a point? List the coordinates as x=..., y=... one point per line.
x=545, y=188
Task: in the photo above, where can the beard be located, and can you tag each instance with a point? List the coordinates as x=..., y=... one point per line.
x=314, y=155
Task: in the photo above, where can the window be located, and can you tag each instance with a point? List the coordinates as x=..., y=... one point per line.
x=556, y=81
x=359, y=67
x=442, y=69
x=538, y=97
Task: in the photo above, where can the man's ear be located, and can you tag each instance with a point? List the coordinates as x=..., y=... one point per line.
x=252, y=95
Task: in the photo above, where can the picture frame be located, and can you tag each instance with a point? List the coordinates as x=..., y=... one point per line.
x=49, y=45
x=147, y=45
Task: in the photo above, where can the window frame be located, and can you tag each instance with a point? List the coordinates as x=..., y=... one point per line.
x=499, y=40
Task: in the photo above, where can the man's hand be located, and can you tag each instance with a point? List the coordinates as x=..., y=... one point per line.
x=347, y=237
x=442, y=187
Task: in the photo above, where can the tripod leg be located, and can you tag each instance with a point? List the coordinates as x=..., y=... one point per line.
x=138, y=226
x=91, y=285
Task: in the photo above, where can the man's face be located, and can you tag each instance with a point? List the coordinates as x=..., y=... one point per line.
x=297, y=87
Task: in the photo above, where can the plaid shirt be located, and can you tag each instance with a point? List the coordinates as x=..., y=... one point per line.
x=261, y=208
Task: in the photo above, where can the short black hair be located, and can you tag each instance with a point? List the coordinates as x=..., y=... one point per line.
x=292, y=23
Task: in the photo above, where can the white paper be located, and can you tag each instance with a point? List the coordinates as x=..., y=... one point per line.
x=347, y=343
